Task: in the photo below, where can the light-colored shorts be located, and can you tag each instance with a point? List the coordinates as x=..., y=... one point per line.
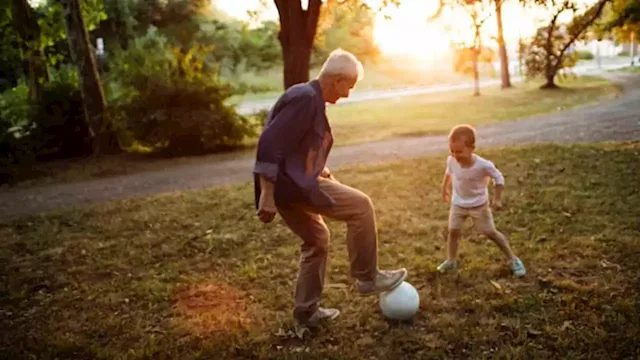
x=481, y=215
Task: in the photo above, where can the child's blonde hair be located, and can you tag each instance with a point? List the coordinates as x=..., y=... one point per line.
x=466, y=132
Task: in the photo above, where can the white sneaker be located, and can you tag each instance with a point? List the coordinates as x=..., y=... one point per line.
x=517, y=267
x=447, y=265
x=302, y=329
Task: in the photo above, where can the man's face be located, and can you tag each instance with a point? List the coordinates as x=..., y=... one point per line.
x=341, y=88
x=460, y=151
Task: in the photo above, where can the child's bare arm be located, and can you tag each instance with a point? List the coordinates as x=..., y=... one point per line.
x=498, y=179
x=497, y=196
x=446, y=185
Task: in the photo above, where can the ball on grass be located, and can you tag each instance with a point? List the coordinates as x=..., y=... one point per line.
x=401, y=303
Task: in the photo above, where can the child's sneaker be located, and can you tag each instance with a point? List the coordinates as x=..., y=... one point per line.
x=447, y=265
x=517, y=267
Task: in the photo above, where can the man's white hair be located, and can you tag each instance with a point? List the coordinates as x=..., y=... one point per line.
x=342, y=63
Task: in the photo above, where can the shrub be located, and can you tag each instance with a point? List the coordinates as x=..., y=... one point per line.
x=168, y=99
x=585, y=55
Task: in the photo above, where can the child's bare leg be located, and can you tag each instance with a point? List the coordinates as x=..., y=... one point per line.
x=501, y=241
x=452, y=244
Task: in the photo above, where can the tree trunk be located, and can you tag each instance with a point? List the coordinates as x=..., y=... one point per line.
x=477, y=47
x=476, y=73
x=632, y=48
x=504, y=60
x=550, y=82
x=26, y=24
x=95, y=108
x=550, y=68
x=297, y=31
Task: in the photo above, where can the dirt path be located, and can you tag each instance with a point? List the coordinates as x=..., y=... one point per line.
x=617, y=120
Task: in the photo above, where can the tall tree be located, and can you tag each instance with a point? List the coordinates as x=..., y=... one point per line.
x=95, y=108
x=298, y=28
x=297, y=31
x=35, y=68
x=502, y=47
x=479, y=12
x=350, y=27
x=547, y=53
x=623, y=20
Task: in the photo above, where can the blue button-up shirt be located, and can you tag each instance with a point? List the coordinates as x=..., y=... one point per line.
x=294, y=146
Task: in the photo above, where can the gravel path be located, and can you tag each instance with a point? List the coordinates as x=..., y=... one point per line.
x=616, y=120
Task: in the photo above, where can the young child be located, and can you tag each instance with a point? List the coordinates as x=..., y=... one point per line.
x=470, y=174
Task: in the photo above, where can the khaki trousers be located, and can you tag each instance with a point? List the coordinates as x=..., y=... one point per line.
x=351, y=206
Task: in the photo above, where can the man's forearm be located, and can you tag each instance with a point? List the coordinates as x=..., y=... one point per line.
x=266, y=186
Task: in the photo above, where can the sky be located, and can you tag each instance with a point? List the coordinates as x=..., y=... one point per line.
x=406, y=30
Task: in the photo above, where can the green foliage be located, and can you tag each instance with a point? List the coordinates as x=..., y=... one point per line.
x=60, y=129
x=624, y=13
x=10, y=55
x=537, y=63
x=584, y=55
x=349, y=26
x=549, y=51
x=15, y=127
x=15, y=110
x=167, y=99
x=53, y=128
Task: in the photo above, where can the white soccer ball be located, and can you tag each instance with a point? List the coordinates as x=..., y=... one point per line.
x=400, y=303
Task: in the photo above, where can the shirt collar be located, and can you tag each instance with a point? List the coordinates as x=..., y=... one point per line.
x=315, y=84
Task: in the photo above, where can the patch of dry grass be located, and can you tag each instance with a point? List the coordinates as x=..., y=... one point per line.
x=196, y=276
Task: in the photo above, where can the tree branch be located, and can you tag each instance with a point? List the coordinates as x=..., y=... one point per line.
x=311, y=19
x=596, y=10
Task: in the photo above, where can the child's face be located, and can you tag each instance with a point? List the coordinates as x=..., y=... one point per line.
x=460, y=151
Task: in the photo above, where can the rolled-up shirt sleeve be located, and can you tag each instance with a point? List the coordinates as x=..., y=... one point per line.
x=282, y=134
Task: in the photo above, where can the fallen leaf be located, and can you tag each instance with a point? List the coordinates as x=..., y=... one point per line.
x=337, y=286
x=566, y=325
x=496, y=285
x=534, y=332
x=607, y=264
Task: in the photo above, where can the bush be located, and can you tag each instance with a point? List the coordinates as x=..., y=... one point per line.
x=184, y=118
x=52, y=129
x=624, y=54
x=167, y=99
x=60, y=128
x=584, y=55
x=16, y=114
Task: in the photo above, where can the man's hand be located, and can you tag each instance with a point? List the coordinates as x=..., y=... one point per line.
x=445, y=195
x=266, y=204
x=326, y=173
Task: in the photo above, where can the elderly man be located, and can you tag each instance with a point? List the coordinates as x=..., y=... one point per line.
x=291, y=179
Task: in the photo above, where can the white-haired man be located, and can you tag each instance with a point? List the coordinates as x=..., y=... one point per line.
x=291, y=179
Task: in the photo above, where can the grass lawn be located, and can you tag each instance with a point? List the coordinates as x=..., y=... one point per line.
x=631, y=69
x=360, y=122
x=438, y=113
x=387, y=73
x=195, y=275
